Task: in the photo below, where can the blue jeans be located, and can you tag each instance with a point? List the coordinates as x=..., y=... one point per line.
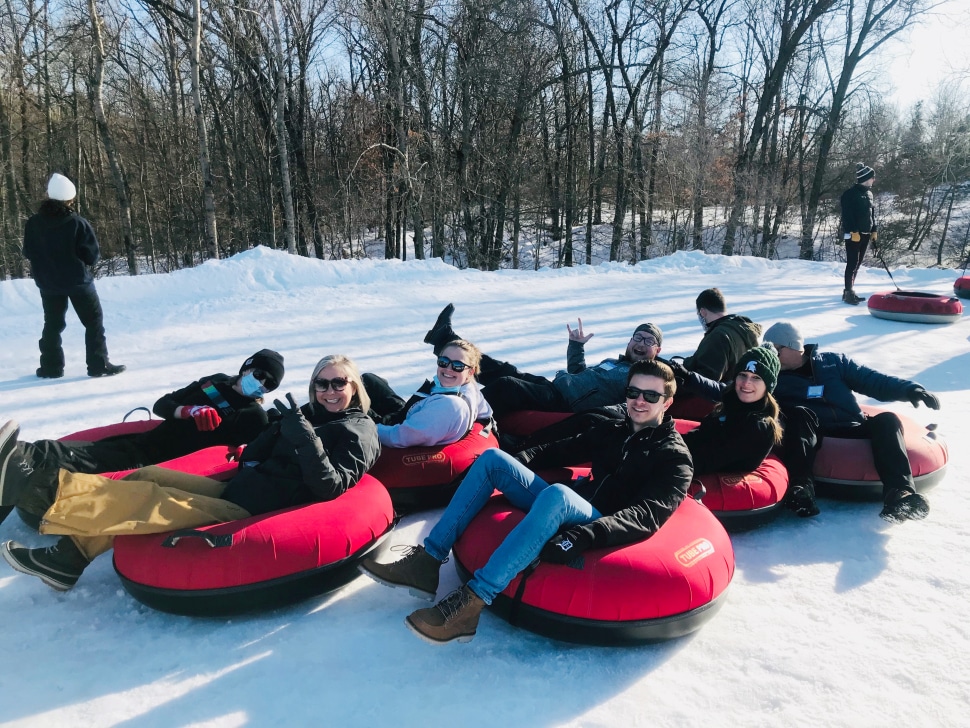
x=549, y=509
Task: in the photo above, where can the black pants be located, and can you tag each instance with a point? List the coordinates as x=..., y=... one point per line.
x=854, y=253
x=507, y=389
x=87, y=306
x=45, y=458
x=386, y=406
x=884, y=431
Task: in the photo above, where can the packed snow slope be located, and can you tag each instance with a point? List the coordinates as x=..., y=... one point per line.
x=840, y=620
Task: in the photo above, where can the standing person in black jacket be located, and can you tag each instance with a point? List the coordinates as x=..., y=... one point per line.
x=858, y=227
x=313, y=453
x=641, y=470
x=61, y=245
x=215, y=410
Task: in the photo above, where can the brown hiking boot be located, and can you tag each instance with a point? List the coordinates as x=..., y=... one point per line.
x=417, y=572
x=453, y=618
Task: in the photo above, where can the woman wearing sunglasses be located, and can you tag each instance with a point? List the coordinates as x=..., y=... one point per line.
x=443, y=409
x=312, y=453
x=641, y=470
x=218, y=409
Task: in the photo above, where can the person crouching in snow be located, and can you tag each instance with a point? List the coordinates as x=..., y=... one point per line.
x=443, y=409
x=311, y=454
x=641, y=471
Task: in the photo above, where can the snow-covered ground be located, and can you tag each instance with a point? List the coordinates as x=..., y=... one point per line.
x=841, y=620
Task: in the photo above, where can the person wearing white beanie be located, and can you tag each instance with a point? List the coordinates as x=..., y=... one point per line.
x=61, y=246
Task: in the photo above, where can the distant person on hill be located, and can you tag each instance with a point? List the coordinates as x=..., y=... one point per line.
x=61, y=245
x=578, y=387
x=824, y=382
x=444, y=408
x=216, y=410
x=858, y=227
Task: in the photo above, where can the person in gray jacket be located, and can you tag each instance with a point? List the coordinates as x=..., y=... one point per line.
x=577, y=388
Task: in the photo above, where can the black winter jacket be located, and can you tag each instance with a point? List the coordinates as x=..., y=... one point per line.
x=725, y=340
x=276, y=473
x=826, y=382
x=733, y=440
x=60, y=249
x=638, y=478
x=858, y=210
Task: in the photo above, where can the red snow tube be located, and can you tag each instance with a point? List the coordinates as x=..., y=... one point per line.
x=961, y=287
x=915, y=307
x=426, y=477
x=663, y=587
x=742, y=501
x=844, y=467
x=260, y=562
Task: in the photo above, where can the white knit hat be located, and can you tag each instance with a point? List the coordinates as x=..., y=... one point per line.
x=61, y=188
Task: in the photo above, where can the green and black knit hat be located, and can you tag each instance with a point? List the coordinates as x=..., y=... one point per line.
x=763, y=361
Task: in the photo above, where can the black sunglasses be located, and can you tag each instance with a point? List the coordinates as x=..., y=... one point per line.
x=338, y=384
x=456, y=366
x=648, y=394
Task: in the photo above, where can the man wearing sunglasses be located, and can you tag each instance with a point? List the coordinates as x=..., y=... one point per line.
x=641, y=470
x=216, y=410
x=579, y=387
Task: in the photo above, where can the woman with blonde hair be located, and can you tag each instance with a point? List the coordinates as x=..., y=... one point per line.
x=311, y=454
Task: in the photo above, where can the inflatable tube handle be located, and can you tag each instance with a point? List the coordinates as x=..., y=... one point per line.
x=700, y=492
x=125, y=418
x=214, y=540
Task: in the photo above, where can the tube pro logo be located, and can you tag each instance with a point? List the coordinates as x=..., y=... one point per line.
x=694, y=552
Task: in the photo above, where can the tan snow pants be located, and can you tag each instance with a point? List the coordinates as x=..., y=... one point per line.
x=92, y=509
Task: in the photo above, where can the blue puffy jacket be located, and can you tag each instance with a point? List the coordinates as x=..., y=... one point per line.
x=826, y=384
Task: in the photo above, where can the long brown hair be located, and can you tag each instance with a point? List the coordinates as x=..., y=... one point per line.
x=769, y=412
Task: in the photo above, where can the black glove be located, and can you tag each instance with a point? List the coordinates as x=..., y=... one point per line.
x=681, y=373
x=918, y=394
x=293, y=425
x=565, y=547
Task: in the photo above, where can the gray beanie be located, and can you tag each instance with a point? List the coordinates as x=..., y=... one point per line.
x=785, y=334
x=653, y=330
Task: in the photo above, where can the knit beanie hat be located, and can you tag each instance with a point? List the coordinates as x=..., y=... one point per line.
x=785, y=334
x=763, y=361
x=653, y=330
x=61, y=188
x=863, y=172
x=270, y=362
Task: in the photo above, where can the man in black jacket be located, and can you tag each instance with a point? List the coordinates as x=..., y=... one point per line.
x=641, y=470
x=858, y=227
x=61, y=245
x=216, y=410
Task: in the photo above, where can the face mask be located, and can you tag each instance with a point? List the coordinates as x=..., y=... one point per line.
x=439, y=387
x=251, y=386
x=700, y=318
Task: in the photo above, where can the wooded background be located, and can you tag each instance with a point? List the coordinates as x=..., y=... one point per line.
x=469, y=129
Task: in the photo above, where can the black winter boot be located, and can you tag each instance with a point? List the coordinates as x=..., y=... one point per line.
x=48, y=373
x=441, y=333
x=904, y=505
x=108, y=370
x=59, y=566
x=801, y=498
x=417, y=572
x=12, y=473
x=849, y=296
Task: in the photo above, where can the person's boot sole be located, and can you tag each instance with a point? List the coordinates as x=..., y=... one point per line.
x=431, y=640
x=414, y=592
x=8, y=432
x=17, y=565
